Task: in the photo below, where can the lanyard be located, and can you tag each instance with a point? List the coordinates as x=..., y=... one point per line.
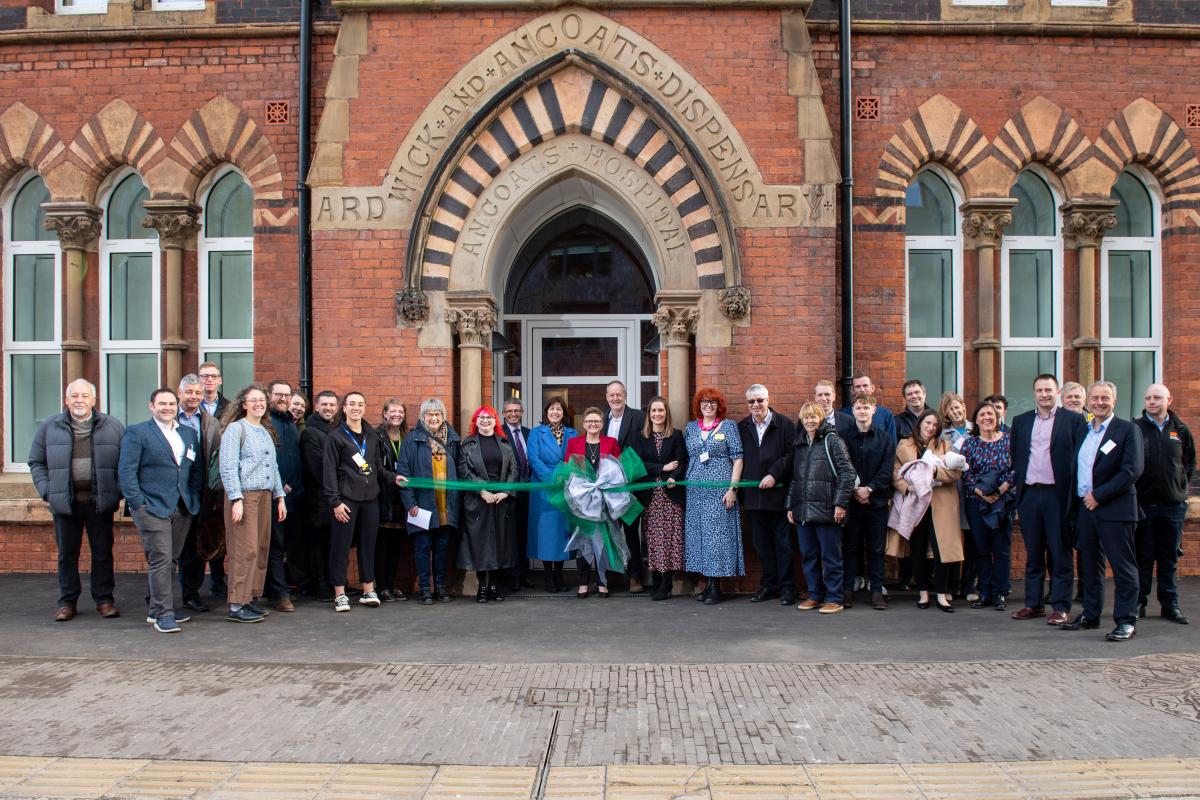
x=362, y=448
x=395, y=450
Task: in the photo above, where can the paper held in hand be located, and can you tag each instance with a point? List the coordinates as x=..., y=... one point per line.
x=422, y=518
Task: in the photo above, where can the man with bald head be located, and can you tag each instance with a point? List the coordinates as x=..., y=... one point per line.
x=1162, y=495
x=73, y=461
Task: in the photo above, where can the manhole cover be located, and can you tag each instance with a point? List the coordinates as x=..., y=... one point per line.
x=1169, y=683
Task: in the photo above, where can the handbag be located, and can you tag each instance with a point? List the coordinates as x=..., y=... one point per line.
x=833, y=469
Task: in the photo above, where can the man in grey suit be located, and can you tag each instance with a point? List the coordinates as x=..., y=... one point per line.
x=162, y=474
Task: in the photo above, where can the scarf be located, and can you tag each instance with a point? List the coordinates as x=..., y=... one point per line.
x=558, y=431
x=439, y=440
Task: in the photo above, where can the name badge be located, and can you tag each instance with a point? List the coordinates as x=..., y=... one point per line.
x=359, y=461
x=703, y=457
x=720, y=437
x=191, y=454
x=1108, y=447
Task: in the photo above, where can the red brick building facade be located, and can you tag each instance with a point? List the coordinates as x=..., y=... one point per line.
x=480, y=167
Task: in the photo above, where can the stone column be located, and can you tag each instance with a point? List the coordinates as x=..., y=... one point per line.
x=473, y=318
x=177, y=225
x=1085, y=222
x=984, y=221
x=77, y=224
x=676, y=318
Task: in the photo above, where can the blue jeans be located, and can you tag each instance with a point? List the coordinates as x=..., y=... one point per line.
x=993, y=550
x=821, y=554
x=436, y=541
x=1157, y=540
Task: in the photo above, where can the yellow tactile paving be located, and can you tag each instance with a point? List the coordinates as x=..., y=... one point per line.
x=484, y=783
x=169, y=779
x=378, y=782
x=18, y=768
x=760, y=783
x=199, y=780
x=656, y=783
x=574, y=783
x=863, y=782
x=75, y=778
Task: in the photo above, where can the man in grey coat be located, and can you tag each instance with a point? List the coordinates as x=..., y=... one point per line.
x=73, y=461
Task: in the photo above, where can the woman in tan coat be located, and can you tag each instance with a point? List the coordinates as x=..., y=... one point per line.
x=938, y=531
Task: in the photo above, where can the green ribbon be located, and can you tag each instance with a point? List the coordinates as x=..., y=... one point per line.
x=499, y=486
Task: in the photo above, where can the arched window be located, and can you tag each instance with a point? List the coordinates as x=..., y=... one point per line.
x=32, y=318
x=933, y=265
x=226, y=262
x=1030, y=290
x=129, y=302
x=1131, y=294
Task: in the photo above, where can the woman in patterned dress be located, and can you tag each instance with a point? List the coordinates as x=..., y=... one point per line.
x=989, y=452
x=662, y=450
x=712, y=526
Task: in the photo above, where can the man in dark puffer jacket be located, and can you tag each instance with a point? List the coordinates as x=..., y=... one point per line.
x=73, y=461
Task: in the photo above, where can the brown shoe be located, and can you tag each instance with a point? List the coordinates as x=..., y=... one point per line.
x=108, y=611
x=635, y=586
x=64, y=614
x=285, y=604
x=878, y=601
x=1029, y=613
x=1058, y=618
x=831, y=608
x=807, y=605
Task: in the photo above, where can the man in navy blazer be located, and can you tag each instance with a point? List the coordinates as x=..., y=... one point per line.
x=625, y=425
x=1109, y=460
x=1044, y=444
x=161, y=475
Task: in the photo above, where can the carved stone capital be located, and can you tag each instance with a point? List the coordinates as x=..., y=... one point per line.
x=175, y=222
x=412, y=305
x=735, y=302
x=984, y=221
x=75, y=223
x=676, y=324
x=1085, y=222
x=474, y=326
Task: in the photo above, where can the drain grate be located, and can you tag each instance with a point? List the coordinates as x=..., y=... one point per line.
x=558, y=698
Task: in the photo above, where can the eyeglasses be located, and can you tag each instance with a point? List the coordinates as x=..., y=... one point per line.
x=281, y=394
x=209, y=377
x=708, y=402
x=756, y=401
x=485, y=418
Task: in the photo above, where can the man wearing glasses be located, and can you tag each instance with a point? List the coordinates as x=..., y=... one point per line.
x=214, y=403
x=767, y=440
x=285, y=535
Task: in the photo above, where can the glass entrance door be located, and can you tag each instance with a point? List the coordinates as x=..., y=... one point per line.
x=576, y=360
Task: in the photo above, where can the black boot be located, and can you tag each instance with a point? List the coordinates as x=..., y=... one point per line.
x=662, y=589
x=548, y=580
x=714, y=596
x=708, y=587
x=481, y=596
x=560, y=583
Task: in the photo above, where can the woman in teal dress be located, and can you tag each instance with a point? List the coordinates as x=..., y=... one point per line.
x=712, y=529
x=548, y=527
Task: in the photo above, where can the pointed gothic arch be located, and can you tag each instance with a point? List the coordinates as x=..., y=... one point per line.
x=26, y=140
x=221, y=132
x=938, y=131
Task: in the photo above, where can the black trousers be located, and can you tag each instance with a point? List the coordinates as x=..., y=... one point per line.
x=1158, y=541
x=520, y=542
x=866, y=527
x=364, y=518
x=277, y=577
x=585, y=572
x=1043, y=527
x=771, y=534
x=306, y=560
x=633, y=540
x=191, y=566
x=923, y=537
x=68, y=533
x=389, y=543
x=1116, y=539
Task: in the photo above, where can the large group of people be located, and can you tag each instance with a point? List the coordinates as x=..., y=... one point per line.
x=273, y=502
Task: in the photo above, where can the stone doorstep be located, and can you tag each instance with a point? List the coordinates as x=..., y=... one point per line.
x=22, y=777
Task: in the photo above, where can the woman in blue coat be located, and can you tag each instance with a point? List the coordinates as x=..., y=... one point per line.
x=548, y=527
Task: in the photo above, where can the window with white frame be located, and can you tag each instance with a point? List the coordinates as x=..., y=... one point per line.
x=177, y=5
x=226, y=260
x=933, y=269
x=1031, y=291
x=80, y=6
x=129, y=303
x=1131, y=294
x=32, y=319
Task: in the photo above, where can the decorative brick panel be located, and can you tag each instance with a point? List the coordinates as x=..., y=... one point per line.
x=866, y=109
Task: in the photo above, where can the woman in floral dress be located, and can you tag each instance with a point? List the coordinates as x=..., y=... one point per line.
x=712, y=526
x=662, y=450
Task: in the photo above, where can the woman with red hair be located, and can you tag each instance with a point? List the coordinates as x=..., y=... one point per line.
x=712, y=529
x=489, y=519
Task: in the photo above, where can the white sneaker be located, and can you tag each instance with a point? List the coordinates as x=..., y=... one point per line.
x=860, y=583
x=973, y=597
x=341, y=603
x=369, y=599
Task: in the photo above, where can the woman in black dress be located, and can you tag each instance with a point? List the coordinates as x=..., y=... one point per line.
x=489, y=518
